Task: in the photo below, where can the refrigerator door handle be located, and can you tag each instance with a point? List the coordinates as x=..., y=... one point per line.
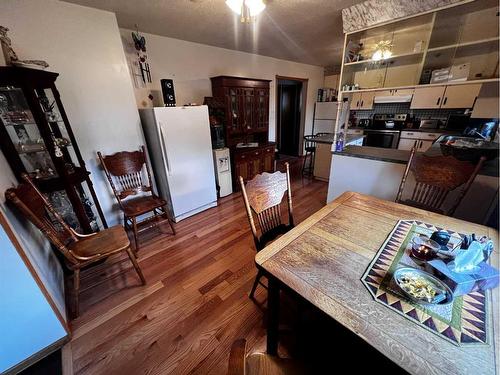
x=164, y=149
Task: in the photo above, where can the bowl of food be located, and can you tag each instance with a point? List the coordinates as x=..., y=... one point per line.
x=423, y=248
x=468, y=149
x=421, y=287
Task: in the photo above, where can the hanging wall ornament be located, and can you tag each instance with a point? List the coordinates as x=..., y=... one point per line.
x=143, y=72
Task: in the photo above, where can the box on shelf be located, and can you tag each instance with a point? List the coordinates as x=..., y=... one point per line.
x=459, y=72
x=440, y=75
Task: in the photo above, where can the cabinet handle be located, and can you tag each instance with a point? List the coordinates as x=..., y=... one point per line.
x=357, y=104
x=445, y=100
x=439, y=100
x=361, y=103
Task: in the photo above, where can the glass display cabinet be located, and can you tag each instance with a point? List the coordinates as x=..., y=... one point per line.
x=463, y=38
x=36, y=138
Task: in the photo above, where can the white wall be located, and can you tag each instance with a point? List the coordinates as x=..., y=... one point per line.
x=191, y=65
x=83, y=45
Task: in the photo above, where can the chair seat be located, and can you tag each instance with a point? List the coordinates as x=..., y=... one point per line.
x=415, y=204
x=141, y=205
x=107, y=241
x=310, y=149
x=263, y=364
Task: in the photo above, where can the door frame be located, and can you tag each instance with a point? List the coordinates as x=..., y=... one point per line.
x=303, y=104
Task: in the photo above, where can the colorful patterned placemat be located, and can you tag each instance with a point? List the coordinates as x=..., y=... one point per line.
x=461, y=322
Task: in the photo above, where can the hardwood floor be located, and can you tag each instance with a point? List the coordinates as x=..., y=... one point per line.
x=195, y=303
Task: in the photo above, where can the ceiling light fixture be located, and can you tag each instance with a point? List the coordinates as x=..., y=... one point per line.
x=247, y=9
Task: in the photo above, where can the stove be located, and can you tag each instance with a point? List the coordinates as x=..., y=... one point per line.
x=384, y=130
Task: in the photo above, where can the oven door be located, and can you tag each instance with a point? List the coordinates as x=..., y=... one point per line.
x=381, y=138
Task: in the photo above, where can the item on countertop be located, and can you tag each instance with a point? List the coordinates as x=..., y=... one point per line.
x=468, y=149
x=442, y=237
x=424, y=248
x=421, y=287
x=339, y=143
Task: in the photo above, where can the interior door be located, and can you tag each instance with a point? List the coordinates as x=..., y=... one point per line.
x=185, y=133
x=289, y=114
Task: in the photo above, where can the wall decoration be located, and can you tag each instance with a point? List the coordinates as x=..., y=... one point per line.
x=10, y=55
x=372, y=12
x=142, y=71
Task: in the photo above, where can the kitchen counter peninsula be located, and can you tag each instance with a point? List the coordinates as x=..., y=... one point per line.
x=378, y=172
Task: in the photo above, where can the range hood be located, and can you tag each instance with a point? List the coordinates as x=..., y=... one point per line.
x=393, y=99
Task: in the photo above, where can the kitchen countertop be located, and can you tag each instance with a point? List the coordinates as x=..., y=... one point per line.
x=391, y=155
x=328, y=139
x=444, y=131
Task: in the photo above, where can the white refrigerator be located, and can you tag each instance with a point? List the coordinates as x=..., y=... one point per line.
x=180, y=150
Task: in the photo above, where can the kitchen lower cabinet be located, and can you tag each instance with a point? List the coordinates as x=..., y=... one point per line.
x=421, y=140
x=322, y=160
x=250, y=162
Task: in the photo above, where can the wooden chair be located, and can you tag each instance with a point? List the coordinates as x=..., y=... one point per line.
x=262, y=196
x=310, y=147
x=435, y=178
x=260, y=363
x=79, y=250
x=125, y=173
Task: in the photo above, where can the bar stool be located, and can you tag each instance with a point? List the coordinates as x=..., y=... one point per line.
x=310, y=147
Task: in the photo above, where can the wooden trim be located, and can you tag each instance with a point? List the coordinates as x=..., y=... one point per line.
x=13, y=238
x=303, y=110
x=67, y=359
x=408, y=17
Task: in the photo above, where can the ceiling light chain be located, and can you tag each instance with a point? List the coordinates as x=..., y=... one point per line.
x=247, y=9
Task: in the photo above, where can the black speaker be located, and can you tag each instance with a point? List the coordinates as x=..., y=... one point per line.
x=167, y=88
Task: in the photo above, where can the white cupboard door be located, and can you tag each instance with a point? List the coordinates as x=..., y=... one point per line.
x=424, y=145
x=461, y=96
x=356, y=100
x=427, y=97
x=367, y=100
x=407, y=144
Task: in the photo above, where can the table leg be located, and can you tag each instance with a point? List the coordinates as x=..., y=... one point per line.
x=273, y=304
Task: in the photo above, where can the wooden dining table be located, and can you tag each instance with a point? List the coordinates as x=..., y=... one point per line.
x=323, y=260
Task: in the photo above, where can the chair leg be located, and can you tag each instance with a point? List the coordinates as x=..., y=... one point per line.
x=136, y=265
x=76, y=291
x=255, y=283
x=169, y=220
x=134, y=229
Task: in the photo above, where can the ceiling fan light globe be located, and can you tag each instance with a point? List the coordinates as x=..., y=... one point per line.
x=255, y=7
x=235, y=5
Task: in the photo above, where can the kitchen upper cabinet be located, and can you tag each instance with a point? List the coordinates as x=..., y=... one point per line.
x=460, y=96
x=362, y=100
x=427, y=97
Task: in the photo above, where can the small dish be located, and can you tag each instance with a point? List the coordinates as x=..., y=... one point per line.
x=423, y=248
x=421, y=287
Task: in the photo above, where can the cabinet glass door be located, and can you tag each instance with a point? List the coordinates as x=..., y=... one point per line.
x=262, y=109
x=23, y=132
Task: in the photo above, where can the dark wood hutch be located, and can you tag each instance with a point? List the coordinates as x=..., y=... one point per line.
x=246, y=121
x=36, y=138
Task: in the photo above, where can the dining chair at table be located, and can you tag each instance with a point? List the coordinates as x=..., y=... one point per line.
x=262, y=197
x=133, y=191
x=79, y=250
x=435, y=178
x=260, y=363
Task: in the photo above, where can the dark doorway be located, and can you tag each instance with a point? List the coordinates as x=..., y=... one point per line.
x=289, y=115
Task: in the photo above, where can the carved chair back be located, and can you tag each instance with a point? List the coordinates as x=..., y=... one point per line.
x=37, y=209
x=435, y=177
x=125, y=172
x=262, y=196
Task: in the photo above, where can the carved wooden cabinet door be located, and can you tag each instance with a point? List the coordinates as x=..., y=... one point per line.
x=261, y=109
x=234, y=114
x=247, y=105
x=268, y=160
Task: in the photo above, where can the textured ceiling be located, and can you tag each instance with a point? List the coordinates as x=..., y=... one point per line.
x=308, y=31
